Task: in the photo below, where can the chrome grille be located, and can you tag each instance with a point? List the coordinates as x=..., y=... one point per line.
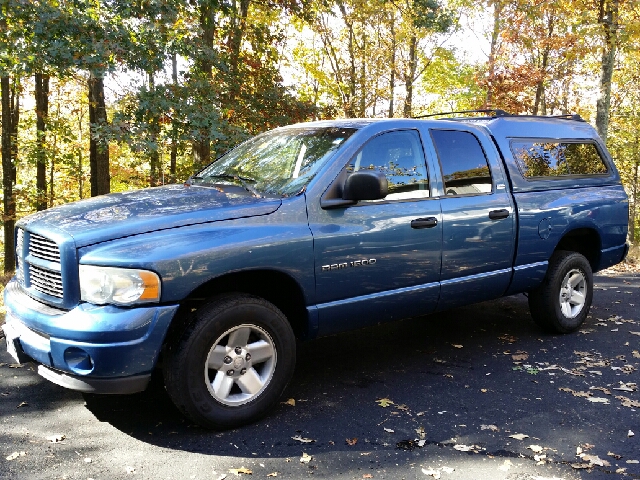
x=45, y=281
x=44, y=248
x=20, y=256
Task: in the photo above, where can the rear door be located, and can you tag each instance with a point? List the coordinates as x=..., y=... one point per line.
x=477, y=219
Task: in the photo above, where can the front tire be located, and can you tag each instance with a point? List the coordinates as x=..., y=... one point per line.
x=561, y=304
x=232, y=363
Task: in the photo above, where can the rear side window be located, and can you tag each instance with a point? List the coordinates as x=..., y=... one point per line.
x=554, y=158
x=465, y=170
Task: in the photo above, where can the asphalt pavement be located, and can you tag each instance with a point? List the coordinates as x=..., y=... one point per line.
x=473, y=393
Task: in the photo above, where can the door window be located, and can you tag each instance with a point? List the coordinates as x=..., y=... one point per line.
x=465, y=170
x=400, y=157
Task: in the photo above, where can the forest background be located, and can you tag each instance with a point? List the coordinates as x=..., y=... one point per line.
x=101, y=96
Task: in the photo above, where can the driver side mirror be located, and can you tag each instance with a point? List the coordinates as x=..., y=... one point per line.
x=365, y=185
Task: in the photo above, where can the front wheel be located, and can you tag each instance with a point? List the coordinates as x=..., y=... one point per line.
x=562, y=302
x=232, y=363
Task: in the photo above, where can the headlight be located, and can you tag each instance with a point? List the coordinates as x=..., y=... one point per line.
x=121, y=286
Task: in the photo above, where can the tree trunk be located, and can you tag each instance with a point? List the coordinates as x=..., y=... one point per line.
x=540, y=102
x=10, y=92
x=633, y=211
x=410, y=76
x=98, y=148
x=363, y=79
x=202, y=144
x=42, y=113
x=392, y=73
x=608, y=18
x=154, y=154
x=495, y=35
x=174, y=124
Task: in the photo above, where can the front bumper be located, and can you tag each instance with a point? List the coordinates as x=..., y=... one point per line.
x=99, y=349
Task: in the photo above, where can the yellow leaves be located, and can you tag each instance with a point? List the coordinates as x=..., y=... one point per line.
x=291, y=402
x=351, y=441
x=15, y=455
x=305, y=458
x=241, y=470
x=384, y=402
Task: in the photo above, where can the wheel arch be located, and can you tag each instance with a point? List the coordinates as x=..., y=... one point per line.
x=275, y=286
x=585, y=241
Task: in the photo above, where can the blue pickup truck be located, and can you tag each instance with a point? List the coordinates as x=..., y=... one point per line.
x=305, y=231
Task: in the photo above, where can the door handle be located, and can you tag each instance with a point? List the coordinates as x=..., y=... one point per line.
x=428, y=222
x=498, y=214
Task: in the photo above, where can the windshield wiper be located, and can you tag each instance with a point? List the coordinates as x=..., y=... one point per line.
x=244, y=181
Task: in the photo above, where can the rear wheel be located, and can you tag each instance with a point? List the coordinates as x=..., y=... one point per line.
x=562, y=302
x=232, y=363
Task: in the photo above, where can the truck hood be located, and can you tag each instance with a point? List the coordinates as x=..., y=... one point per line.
x=118, y=215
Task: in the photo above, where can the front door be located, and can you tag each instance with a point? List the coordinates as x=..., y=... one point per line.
x=380, y=260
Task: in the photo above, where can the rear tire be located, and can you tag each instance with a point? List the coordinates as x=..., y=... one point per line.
x=561, y=304
x=232, y=362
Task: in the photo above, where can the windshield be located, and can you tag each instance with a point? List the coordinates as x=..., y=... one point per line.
x=280, y=162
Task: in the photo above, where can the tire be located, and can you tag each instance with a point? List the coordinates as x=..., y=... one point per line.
x=232, y=362
x=562, y=302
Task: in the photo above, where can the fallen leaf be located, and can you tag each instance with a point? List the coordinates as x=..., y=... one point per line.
x=404, y=408
x=406, y=445
x=505, y=466
x=130, y=470
x=291, y=402
x=535, y=448
x=520, y=357
x=298, y=438
x=87, y=460
x=630, y=434
x=483, y=390
x=598, y=400
x=456, y=346
x=351, y=441
x=493, y=428
x=467, y=448
x=595, y=460
x=636, y=354
x=23, y=404
x=519, y=436
x=604, y=390
x=580, y=465
x=632, y=333
x=420, y=432
x=272, y=474
x=421, y=443
x=384, y=402
x=56, y=438
x=15, y=365
x=305, y=458
x=448, y=469
x=628, y=461
x=15, y=455
x=367, y=475
x=389, y=430
x=241, y=470
x=431, y=472
x=627, y=402
x=616, y=456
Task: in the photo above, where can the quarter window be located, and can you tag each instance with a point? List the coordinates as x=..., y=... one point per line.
x=400, y=157
x=465, y=170
x=554, y=159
